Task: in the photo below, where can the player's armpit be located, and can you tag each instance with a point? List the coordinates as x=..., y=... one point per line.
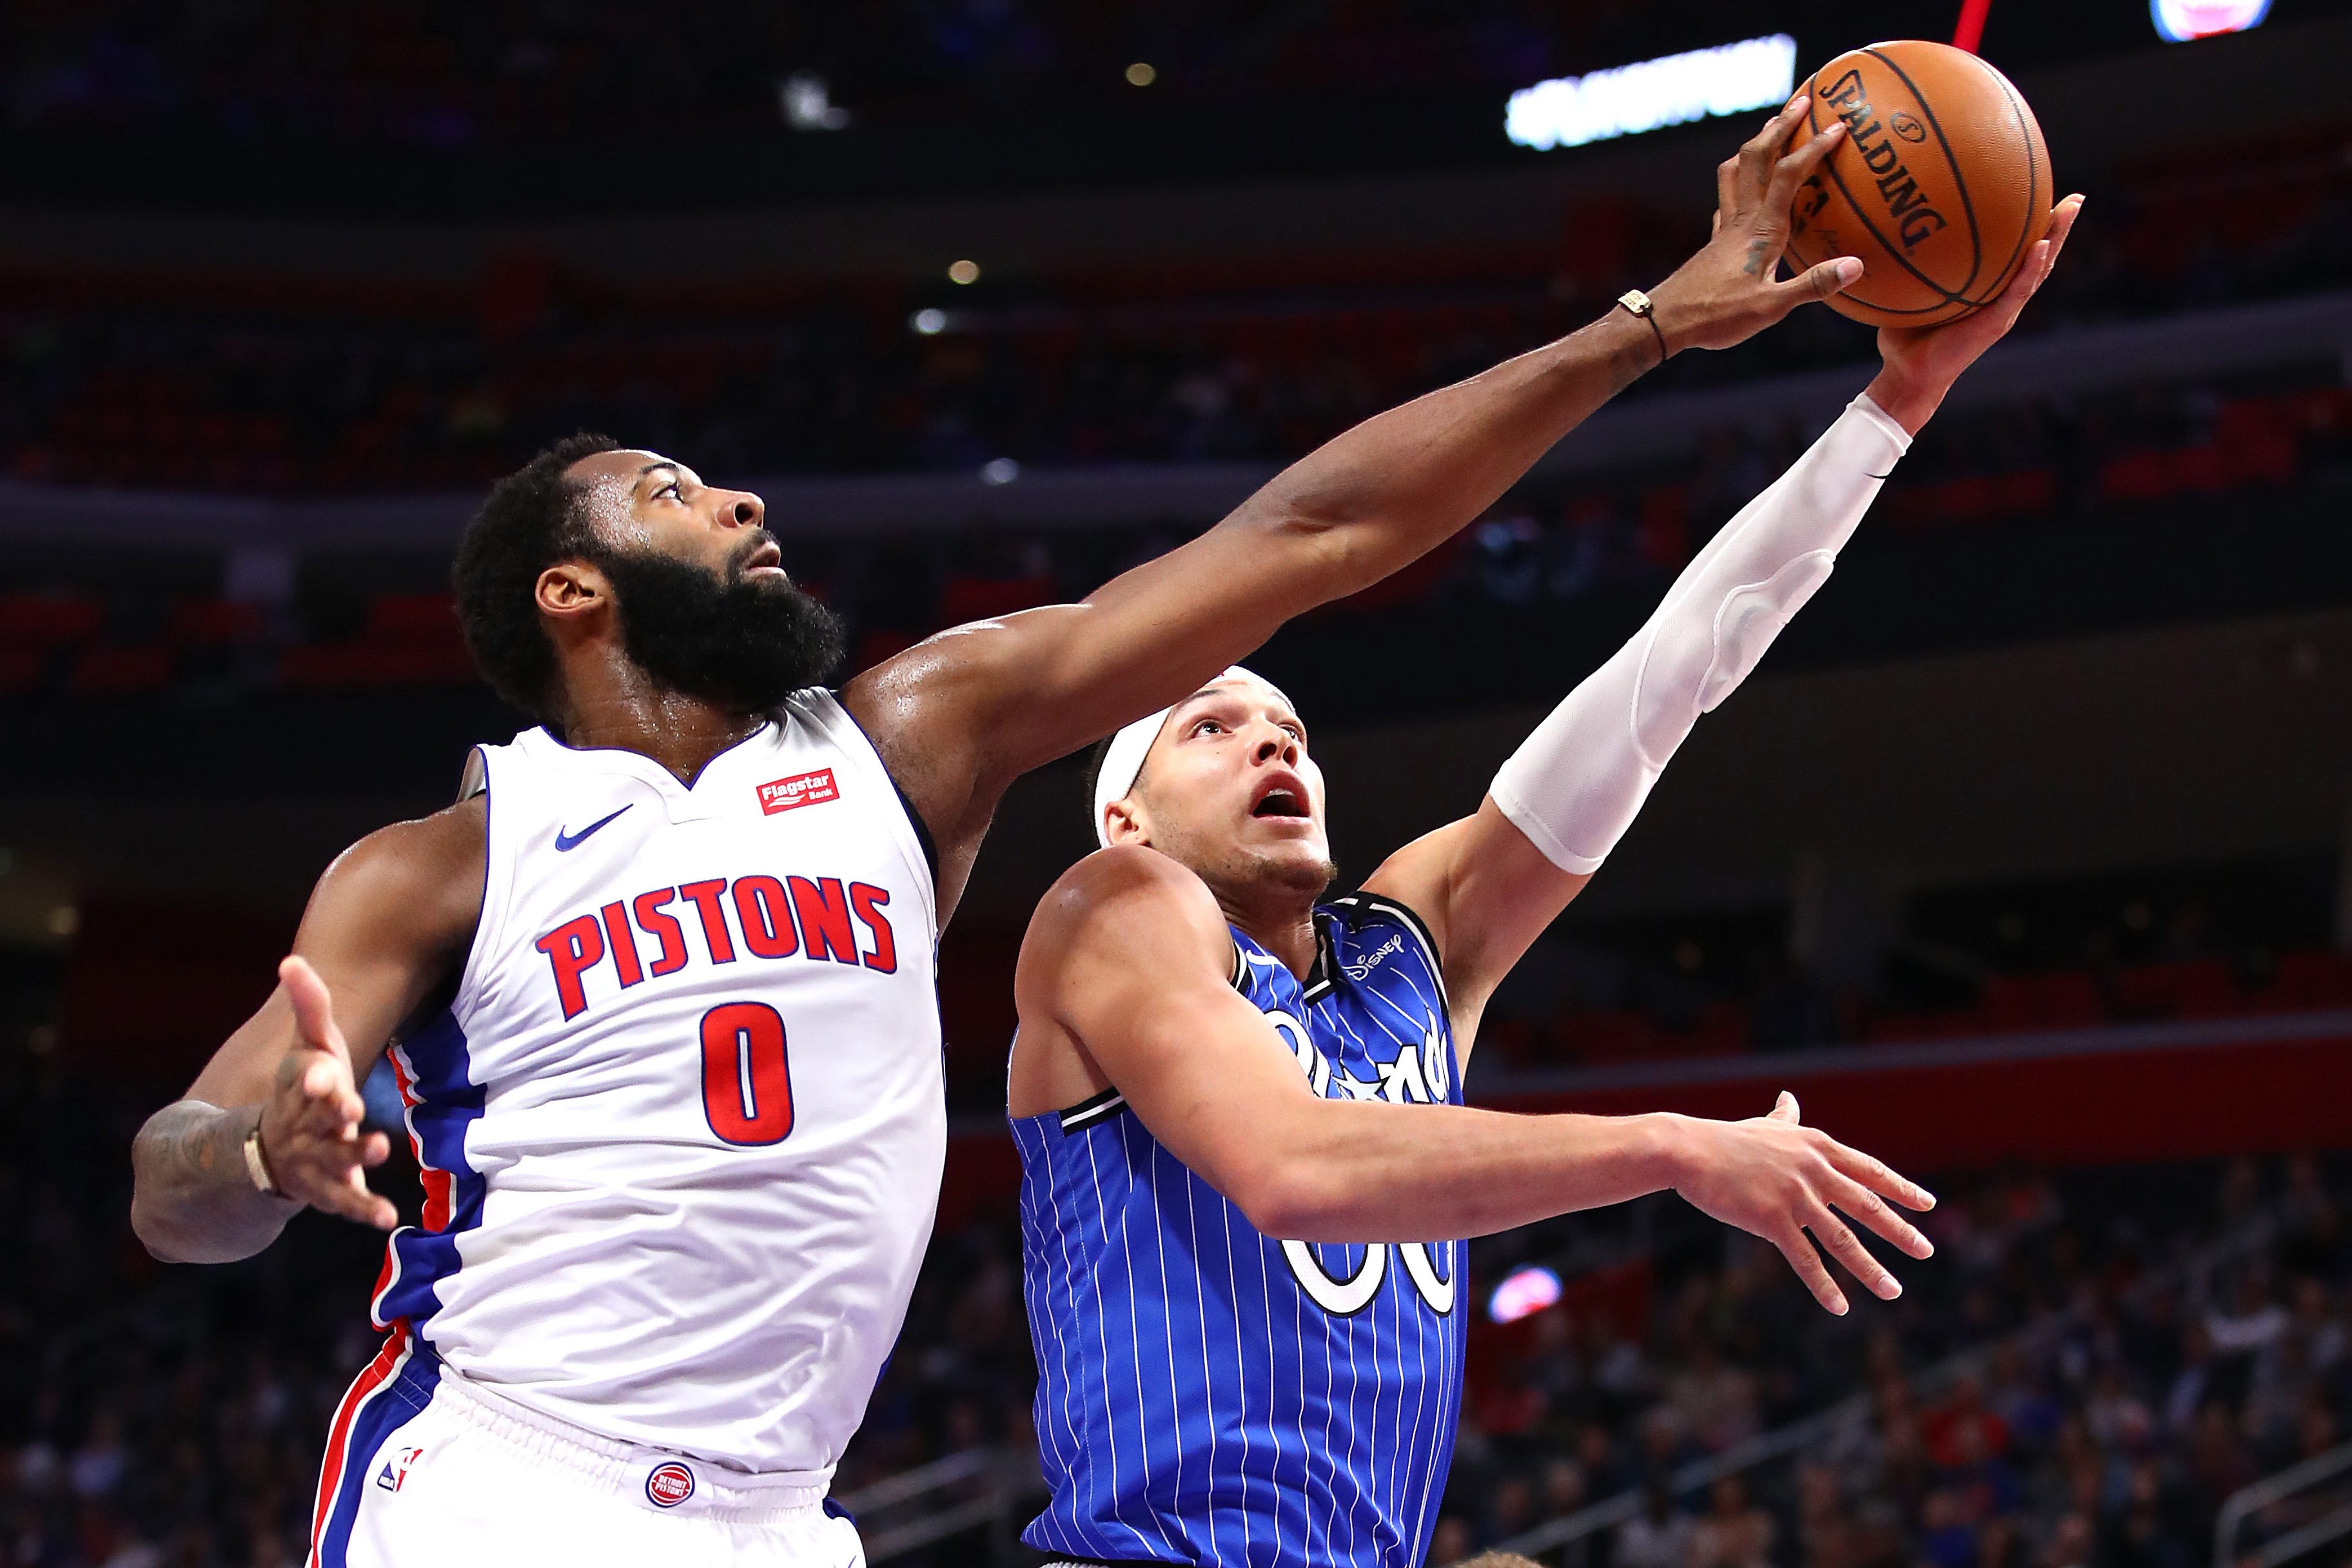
x=389, y=922
x=1130, y=961
x=1487, y=893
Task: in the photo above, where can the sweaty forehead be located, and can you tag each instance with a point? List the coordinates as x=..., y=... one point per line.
x=623, y=467
x=1245, y=687
x=1248, y=690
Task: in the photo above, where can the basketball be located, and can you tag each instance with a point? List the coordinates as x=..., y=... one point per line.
x=1941, y=185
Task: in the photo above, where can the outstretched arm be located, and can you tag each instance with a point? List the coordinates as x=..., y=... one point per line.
x=981, y=704
x=1126, y=964
x=387, y=922
x=1491, y=882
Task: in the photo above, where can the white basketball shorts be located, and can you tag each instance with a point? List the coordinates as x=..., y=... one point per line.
x=424, y=1469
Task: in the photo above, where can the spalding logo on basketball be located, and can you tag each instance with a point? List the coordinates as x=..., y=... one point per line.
x=669, y=1485
x=1941, y=184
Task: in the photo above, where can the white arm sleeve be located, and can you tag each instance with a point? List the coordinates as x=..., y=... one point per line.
x=1573, y=788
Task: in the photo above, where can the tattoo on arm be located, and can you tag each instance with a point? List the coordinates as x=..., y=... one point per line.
x=1760, y=253
x=194, y=1201
x=188, y=1145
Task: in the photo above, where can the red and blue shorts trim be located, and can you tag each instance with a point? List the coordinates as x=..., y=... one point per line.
x=393, y=1391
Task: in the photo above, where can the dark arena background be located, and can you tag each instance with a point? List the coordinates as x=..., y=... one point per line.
x=2025, y=859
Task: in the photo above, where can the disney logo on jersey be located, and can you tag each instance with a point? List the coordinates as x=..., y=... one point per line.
x=1361, y=969
x=800, y=789
x=823, y=919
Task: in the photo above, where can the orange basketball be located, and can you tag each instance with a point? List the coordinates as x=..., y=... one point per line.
x=1940, y=186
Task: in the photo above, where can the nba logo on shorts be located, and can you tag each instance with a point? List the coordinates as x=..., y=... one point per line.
x=669, y=1485
x=394, y=1474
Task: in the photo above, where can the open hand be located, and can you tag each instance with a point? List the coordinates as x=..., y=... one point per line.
x=1732, y=289
x=1922, y=362
x=310, y=1136
x=1774, y=1177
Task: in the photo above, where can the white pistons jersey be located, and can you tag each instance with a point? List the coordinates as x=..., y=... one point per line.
x=683, y=1123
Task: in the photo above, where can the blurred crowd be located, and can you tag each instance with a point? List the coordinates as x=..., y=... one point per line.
x=153, y=1417
x=451, y=74
x=2091, y=1370
x=95, y=625
x=2151, y=945
x=2092, y=1364
x=1220, y=363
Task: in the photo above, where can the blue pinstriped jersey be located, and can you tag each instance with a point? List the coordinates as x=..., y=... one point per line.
x=1209, y=1394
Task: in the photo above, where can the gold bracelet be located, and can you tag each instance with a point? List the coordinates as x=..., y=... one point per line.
x=1639, y=304
x=258, y=1167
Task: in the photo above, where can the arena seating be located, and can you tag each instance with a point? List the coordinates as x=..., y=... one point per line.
x=173, y=1415
x=438, y=78
x=2013, y=467
x=223, y=386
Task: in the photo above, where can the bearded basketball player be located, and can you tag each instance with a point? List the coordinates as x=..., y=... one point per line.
x=1245, y=1162
x=658, y=995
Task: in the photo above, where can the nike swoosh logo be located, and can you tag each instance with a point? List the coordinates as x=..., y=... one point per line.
x=573, y=840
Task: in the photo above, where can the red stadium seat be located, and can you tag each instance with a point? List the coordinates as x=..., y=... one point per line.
x=411, y=617
x=38, y=620
x=2070, y=999
x=2198, y=988
x=879, y=643
x=1408, y=585
x=2028, y=493
x=985, y=598
x=1665, y=524
x=1597, y=1037
x=2199, y=470
x=407, y=640
x=1896, y=1028
x=214, y=623
x=1970, y=499
x=2256, y=436
x=105, y=671
x=326, y=667
x=2137, y=475
x=21, y=667
x=1721, y=1031
x=2012, y=1001
x=2313, y=980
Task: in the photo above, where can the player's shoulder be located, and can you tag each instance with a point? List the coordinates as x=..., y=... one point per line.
x=424, y=874
x=1129, y=896
x=1128, y=875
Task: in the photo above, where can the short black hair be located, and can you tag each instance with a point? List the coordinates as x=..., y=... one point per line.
x=1097, y=755
x=531, y=519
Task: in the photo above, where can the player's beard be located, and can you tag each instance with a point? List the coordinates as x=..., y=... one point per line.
x=1242, y=872
x=1294, y=874
x=740, y=643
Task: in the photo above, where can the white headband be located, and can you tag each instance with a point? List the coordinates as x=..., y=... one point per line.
x=1124, y=760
